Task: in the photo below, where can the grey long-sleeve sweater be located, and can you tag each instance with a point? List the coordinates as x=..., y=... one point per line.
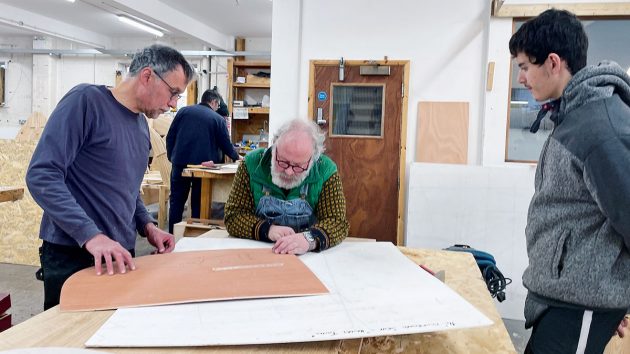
x=578, y=228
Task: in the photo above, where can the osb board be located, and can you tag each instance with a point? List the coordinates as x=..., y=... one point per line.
x=192, y=277
x=442, y=132
x=19, y=220
x=161, y=124
x=32, y=129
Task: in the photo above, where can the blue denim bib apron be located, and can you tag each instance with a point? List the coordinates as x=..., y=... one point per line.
x=295, y=213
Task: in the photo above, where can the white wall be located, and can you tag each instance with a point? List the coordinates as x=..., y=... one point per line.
x=36, y=82
x=18, y=81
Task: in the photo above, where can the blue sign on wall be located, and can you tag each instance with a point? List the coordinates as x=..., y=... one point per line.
x=322, y=96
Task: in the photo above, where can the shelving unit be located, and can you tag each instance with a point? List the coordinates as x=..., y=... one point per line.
x=253, y=89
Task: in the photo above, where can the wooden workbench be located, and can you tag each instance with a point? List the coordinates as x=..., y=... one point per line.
x=11, y=194
x=52, y=328
x=207, y=177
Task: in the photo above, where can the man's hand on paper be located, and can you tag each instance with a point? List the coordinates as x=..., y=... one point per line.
x=207, y=164
x=277, y=232
x=292, y=244
x=101, y=246
x=161, y=240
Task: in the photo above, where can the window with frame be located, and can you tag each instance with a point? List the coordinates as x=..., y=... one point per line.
x=608, y=40
x=357, y=109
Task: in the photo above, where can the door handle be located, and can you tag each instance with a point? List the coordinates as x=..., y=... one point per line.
x=341, y=69
x=320, y=116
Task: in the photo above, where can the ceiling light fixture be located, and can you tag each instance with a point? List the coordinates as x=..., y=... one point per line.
x=70, y=0
x=140, y=25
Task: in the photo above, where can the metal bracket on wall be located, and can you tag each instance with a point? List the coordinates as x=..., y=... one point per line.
x=341, y=69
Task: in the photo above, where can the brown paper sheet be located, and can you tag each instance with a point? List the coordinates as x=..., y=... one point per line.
x=185, y=277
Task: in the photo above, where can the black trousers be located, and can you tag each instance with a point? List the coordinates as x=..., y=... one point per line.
x=180, y=187
x=58, y=264
x=563, y=331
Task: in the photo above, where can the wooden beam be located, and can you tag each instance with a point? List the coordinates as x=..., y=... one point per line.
x=11, y=194
x=496, y=6
x=499, y=9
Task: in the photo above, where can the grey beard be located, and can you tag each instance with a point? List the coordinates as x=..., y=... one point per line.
x=278, y=181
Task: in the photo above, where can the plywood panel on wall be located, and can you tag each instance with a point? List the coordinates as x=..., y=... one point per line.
x=442, y=132
x=19, y=220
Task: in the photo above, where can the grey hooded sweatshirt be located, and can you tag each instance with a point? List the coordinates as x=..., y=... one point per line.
x=578, y=225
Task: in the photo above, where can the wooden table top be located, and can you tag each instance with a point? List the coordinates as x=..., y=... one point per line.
x=72, y=329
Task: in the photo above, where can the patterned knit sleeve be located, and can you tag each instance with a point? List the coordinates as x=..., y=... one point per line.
x=332, y=224
x=240, y=218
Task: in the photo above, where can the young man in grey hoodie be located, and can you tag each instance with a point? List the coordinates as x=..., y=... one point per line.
x=578, y=225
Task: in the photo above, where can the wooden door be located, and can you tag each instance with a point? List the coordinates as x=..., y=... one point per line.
x=363, y=112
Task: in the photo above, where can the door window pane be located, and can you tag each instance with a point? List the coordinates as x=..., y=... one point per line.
x=604, y=37
x=357, y=110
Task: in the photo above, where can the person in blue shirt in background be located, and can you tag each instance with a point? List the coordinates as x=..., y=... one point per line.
x=88, y=166
x=197, y=135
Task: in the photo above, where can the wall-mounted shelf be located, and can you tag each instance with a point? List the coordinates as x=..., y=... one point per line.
x=254, y=88
x=252, y=85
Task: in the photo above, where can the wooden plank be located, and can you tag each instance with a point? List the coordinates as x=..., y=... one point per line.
x=252, y=63
x=33, y=128
x=442, y=132
x=163, y=195
x=252, y=85
x=490, y=77
x=226, y=274
x=11, y=194
x=580, y=9
x=239, y=46
x=403, y=157
x=258, y=110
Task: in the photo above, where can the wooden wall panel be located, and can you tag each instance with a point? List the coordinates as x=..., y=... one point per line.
x=19, y=220
x=442, y=132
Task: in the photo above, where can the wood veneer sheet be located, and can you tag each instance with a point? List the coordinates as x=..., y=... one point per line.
x=374, y=291
x=185, y=277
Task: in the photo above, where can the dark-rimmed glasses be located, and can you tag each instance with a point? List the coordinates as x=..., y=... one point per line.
x=174, y=92
x=296, y=168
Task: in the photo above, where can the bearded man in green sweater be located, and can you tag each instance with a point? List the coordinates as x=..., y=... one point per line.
x=289, y=193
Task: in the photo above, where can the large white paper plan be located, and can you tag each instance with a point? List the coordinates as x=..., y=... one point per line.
x=374, y=290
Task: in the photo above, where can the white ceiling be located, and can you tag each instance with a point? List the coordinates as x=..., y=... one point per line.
x=211, y=23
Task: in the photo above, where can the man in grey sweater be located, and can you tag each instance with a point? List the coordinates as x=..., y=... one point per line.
x=578, y=227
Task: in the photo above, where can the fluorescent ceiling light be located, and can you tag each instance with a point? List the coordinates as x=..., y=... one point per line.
x=140, y=25
x=70, y=0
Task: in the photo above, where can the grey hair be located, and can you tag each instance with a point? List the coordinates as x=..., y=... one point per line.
x=161, y=59
x=307, y=126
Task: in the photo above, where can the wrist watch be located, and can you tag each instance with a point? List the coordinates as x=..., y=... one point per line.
x=311, y=240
